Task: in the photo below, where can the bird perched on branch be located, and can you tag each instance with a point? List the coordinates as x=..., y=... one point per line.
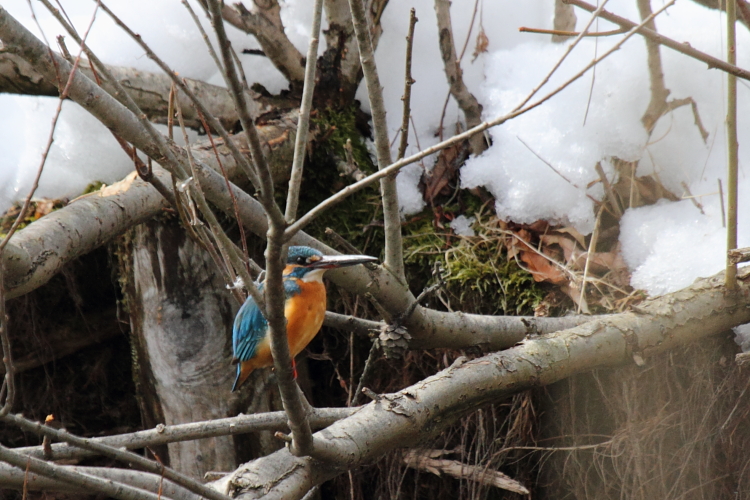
x=304, y=309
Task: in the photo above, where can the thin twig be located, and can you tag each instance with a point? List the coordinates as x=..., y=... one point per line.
x=408, y=82
x=394, y=260
x=721, y=204
x=164, y=434
x=261, y=171
x=303, y=124
x=396, y=166
x=226, y=245
x=204, y=35
x=239, y=158
x=568, y=50
x=684, y=48
x=730, y=278
x=540, y=31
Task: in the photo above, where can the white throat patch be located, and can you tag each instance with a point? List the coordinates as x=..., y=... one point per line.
x=314, y=275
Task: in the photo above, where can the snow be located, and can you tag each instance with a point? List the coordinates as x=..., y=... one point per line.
x=540, y=164
x=461, y=225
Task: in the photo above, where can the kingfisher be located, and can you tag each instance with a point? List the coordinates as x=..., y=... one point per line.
x=304, y=309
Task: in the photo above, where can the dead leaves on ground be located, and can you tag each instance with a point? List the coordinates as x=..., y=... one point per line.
x=558, y=255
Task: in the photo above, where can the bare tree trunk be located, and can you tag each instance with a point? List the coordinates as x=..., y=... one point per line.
x=181, y=315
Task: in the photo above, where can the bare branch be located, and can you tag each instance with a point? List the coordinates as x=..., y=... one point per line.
x=303, y=126
x=163, y=434
x=264, y=23
x=683, y=48
x=11, y=477
x=466, y=101
x=291, y=395
x=121, y=455
x=658, y=104
x=408, y=82
x=404, y=418
x=394, y=260
x=61, y=473
x=262, y=171
x=150, y=91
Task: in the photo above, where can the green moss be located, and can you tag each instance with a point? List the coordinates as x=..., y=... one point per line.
x=93, y=187
x=479, y=277
x=479, y=273
x=37, y=209
x=357, y=218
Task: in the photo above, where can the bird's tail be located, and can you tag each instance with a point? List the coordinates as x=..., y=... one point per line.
x=244, y=369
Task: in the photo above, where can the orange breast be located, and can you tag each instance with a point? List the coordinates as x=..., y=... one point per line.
x=304, y=315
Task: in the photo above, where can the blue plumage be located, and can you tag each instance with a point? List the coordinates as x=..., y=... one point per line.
x=250, y=327
x=305, y=267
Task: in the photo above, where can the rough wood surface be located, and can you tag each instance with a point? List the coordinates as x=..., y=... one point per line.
x=181, y=314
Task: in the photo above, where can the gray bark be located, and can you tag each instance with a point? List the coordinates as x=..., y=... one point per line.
x=424, y=409
x=16, y=478
x=181, y=315
x=149, y=90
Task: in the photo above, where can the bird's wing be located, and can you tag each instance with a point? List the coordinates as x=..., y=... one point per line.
x=249, y=329
x=250, y=326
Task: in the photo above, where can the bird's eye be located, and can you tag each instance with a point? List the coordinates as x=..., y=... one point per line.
x=301, y=261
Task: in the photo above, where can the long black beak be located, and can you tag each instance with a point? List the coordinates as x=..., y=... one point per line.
x=333, y=261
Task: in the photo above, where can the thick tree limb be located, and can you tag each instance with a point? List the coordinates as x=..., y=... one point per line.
x=424, y=409
x=15, y=478
x=149, y=90
x=121, y=455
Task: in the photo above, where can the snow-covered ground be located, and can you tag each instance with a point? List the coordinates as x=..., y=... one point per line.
x=666, y=245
